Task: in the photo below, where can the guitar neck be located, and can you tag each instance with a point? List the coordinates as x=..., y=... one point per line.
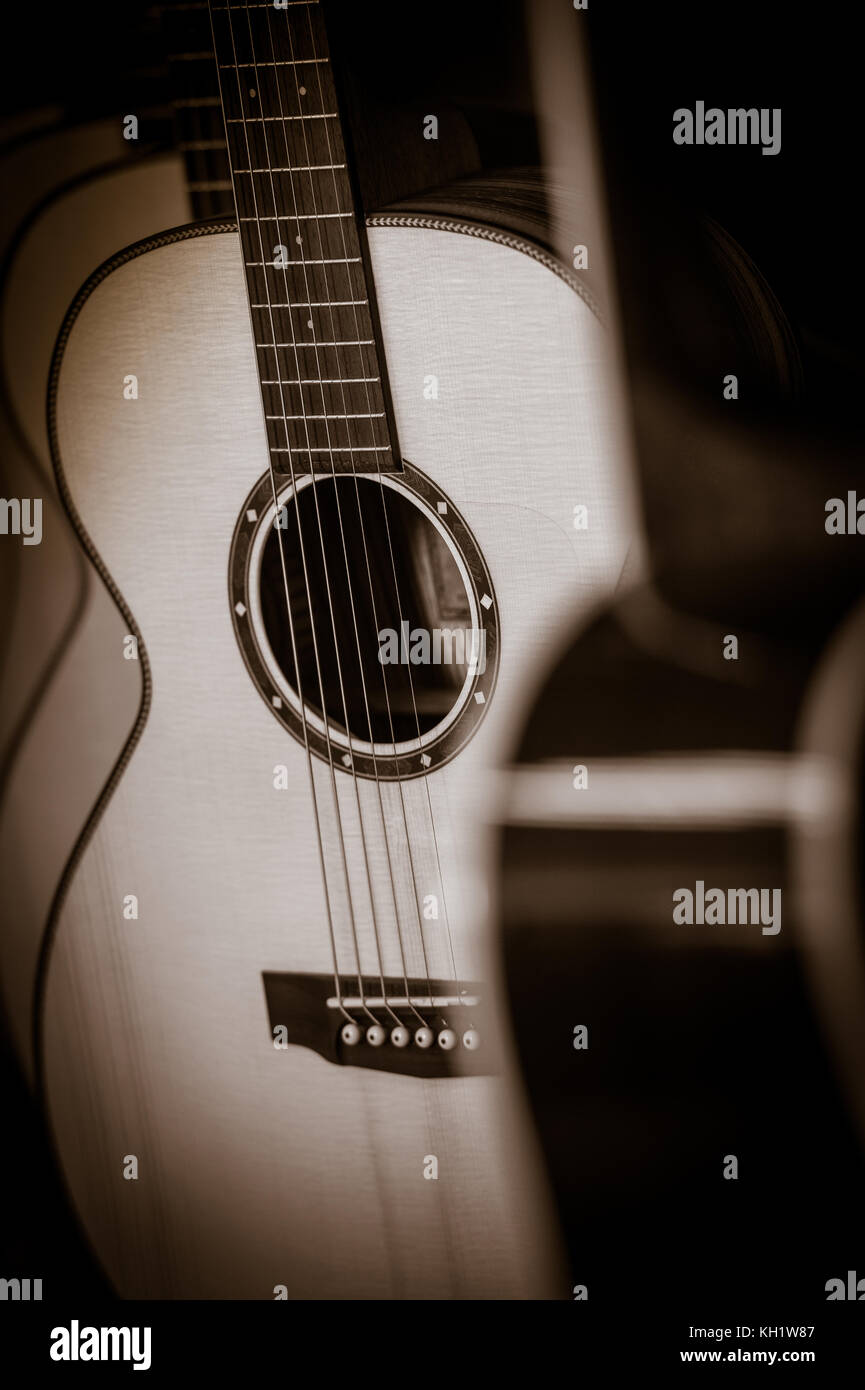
x=310, y=290
x=194, y=91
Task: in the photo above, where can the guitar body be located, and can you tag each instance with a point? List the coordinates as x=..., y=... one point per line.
x=702, y=773
x=63, y=712
x=261, y=1166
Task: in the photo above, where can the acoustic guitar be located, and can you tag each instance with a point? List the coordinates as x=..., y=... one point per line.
x=335, y=477
x=63, y=710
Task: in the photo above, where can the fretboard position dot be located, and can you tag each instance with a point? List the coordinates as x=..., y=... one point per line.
x=309, y=323
x=423, y=1037
x=471, y=1039
x=299, y=240
x=302, y=91
x=252, y=91
x=400, y=1037
x=447, y=1039
x=375, y=1035
x=351, y=1034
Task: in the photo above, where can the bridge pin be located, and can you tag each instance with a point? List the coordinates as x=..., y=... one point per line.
x=447, y=1039
x=351, y=1034
x=400, y=1037
x=375, y=1035
x=471, y=1039
x=423, y=1037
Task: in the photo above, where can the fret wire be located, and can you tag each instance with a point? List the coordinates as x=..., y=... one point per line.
x=318, y=381
x=334, y=260
x=290, y=169
x=346, y=449
x=347, y=342
x=283, y=63
x=309, y=116
x=331, y=415
x=316, y=304
x=297, y=217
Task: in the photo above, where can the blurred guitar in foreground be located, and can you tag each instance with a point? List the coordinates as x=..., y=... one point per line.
x=697, y=743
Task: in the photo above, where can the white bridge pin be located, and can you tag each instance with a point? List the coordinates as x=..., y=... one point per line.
x=375, y=1035
x=351, y=1034
x=471, y=1039
x=423, y=1037
x=400, y=1037
x=447, y=1039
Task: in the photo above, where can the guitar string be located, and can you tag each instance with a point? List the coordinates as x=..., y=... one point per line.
x=390, y=546
x=436, y=1127
x=363, y=535
x=314, y=487
x=307, y=586
x=457, y=983
x=400, y=791
x=316, y=811
x=351, y=449
x=429, y=1100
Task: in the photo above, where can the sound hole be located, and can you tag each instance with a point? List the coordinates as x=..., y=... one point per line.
x=381, y=615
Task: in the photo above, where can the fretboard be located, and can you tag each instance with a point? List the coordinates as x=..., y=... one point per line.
x=310, y=294
x=194, y=93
